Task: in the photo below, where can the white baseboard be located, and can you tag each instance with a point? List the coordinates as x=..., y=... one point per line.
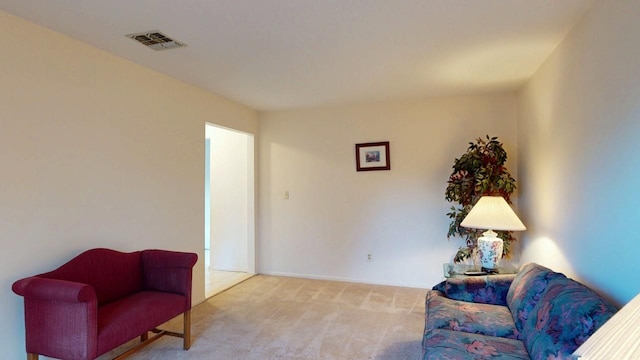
x=351, y=280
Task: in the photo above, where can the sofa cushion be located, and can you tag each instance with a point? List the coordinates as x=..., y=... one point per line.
x=526, y=290
x=129, y=317
x=112, y=274
x=443, y=344
x=566, y=315
x=486, y=319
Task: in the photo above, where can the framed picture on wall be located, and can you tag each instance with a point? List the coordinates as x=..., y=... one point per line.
x=373, y=156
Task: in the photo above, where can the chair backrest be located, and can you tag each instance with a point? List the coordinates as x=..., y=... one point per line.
x=112, y=274
x=168, y=271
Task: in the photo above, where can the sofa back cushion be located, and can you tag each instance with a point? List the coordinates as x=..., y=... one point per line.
x=112, y=274
x=525, y=291
x=564, y=317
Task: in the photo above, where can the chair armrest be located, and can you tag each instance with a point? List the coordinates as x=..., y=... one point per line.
x=168, y=271
x=59, y=313
x=53, y=290
x=489, y=289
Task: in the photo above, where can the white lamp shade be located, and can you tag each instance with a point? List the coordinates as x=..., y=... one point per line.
x=493, y=213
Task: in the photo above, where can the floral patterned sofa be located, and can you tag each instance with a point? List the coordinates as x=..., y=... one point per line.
x=534, y=314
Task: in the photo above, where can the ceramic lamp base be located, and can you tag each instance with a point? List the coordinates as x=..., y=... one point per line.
x=490, y=248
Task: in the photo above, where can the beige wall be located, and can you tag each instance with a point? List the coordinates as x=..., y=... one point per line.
x=95, y=152
x=580, y=154
x=336, y=216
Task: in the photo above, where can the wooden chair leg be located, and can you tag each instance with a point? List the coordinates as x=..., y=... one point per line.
x=32, y=356
x=187, y=330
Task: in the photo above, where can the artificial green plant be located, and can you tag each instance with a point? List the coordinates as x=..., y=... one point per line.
x=479, y=171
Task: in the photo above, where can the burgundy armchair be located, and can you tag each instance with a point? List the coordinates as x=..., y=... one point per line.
x=103, y=298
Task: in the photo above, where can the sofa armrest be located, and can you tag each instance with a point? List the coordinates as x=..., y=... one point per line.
x=168, y=271
x=58, y=313
x=489, y=289
x=53, y=290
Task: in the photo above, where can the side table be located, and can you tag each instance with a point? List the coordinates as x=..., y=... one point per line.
x=459, y=270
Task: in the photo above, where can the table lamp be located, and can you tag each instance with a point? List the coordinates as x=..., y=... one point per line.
x=492, y=213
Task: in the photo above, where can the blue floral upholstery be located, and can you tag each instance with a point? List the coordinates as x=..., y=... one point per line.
x=542, y=315
x=491, y=289
x=566, y=315
x=486, y=319
x=530, y=283
x=455, y=345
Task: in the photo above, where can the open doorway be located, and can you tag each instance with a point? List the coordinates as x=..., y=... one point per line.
x=229, y=208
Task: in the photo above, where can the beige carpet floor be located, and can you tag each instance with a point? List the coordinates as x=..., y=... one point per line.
x=269, y=317
x=217, y=281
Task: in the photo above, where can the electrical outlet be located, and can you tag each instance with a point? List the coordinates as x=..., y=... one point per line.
x=369, y=257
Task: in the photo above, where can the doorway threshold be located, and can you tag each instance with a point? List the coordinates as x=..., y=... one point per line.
x=218, y=281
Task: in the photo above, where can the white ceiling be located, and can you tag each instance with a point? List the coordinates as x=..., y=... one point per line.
x=279, y=54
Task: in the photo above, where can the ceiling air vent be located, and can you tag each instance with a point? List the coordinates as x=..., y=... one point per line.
x=156, y=40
